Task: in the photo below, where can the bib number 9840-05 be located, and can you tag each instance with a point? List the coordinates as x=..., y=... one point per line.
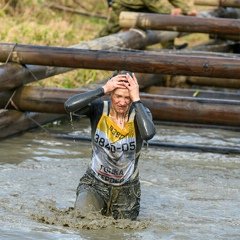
x=111, y=147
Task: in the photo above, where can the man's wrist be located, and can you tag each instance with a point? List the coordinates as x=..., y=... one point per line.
x=102, y=93
x=137, y=101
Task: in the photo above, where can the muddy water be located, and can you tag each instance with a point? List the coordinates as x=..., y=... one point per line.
x=185, y=194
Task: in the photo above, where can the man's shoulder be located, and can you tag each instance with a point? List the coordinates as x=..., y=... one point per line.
x=98, y=105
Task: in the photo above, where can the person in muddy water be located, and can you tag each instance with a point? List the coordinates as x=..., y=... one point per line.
x=118, y=128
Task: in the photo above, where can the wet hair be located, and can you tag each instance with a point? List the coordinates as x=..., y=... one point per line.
x=119, y=72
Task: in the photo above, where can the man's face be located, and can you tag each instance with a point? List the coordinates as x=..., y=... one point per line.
x=121, y=100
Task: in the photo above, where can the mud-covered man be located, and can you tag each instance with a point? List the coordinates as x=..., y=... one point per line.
x=118, y=128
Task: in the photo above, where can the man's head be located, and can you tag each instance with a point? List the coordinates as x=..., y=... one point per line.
x=121, y=72
x=120, y=96
x=120, y=100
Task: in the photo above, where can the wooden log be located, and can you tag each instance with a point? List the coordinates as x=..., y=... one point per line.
x=214, y=82
x=12, y=76
x=216, y=45
x=194, y=110
x=220, y=12
x=225, y=37
x=133, y=61
x=216, y=3
x=163, y=108
x=198, y=53
x=191, y=24
x=191, y=92
x=45, y=100
x=14, y=122
x=147, y=79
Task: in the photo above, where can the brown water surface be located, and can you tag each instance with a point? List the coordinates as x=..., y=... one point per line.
x=185, y=194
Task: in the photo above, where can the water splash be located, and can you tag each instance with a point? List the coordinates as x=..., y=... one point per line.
x=72, y=125
x=48, y=213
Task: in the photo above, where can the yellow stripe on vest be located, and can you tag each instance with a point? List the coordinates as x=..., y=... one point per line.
x=113, y=132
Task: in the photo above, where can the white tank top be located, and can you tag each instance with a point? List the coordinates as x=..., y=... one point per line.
x=114, y=150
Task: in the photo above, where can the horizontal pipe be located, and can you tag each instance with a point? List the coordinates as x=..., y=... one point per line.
x=14, y=122
x=192, y=93
x=225, y=37
x=143, y=62
x=203, y=148
x=15, y=75
x=163, y=108
x=214, y=82
x=191, y=24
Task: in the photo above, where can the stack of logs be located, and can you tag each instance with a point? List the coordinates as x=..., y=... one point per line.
x=213, y=64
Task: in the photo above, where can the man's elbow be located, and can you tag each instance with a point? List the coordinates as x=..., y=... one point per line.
x=149, y=135
x=67, y=107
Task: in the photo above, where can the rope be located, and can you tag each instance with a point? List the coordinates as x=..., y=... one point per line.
x=11, y=53
x=10, y=100
x=38, y=124
x=203, y=148
x=36, y=79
